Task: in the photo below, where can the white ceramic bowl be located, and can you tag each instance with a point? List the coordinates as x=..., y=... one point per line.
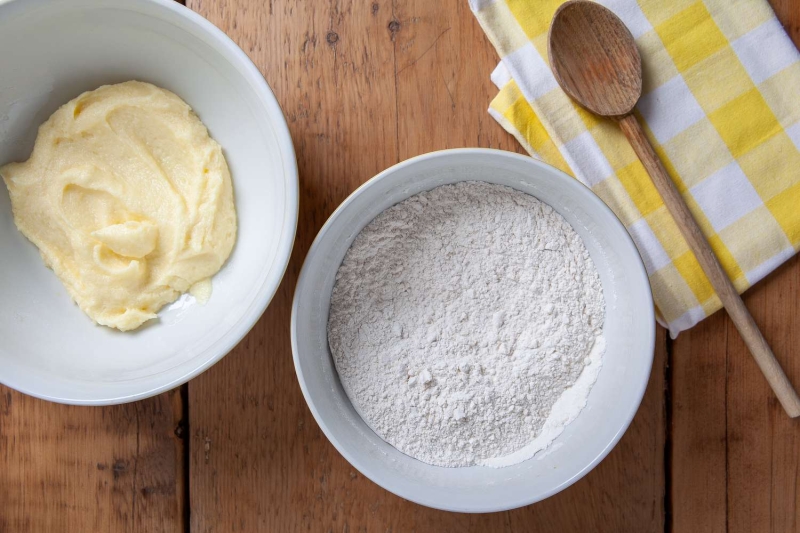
x=52, y=51
x=629, y=331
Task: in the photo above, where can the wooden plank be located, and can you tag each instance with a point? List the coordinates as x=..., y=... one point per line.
x=365, y=84
x=763, y=443
x=734, y=453
x=443, y=61
x=258, y=460
x=697, y=432
x=78, y=469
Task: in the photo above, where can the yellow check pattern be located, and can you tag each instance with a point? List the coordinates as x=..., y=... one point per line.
x=720, y=104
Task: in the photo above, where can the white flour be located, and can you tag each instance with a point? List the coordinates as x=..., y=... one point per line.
x=460, y=317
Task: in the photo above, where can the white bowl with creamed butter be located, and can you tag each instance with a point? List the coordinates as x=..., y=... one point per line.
x=49, y=348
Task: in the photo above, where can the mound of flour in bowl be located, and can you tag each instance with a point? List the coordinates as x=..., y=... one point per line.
x=466, y=325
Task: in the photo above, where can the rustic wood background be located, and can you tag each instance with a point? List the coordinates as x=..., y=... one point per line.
x=365, y=84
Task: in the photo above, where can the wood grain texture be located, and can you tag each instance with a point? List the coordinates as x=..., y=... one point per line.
x=66, y=468
x=763, y=447
x=698, y=432
x=365, y=85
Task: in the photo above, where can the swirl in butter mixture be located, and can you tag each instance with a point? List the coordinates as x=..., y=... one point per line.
x=129, y=201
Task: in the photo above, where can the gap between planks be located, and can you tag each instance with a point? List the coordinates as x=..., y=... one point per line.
x=668, y=459
x=186, y=437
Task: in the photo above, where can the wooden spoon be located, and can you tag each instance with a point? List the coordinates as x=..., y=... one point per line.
x=595, y=60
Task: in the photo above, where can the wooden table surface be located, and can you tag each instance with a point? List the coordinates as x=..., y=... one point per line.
x=365, y=84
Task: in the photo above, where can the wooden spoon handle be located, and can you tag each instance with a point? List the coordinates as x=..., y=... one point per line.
x=708, y=262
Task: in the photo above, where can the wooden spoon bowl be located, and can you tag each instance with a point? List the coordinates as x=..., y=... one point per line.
x=612, y=83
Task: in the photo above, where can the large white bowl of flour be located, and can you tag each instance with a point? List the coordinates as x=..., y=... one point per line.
x=628, y=330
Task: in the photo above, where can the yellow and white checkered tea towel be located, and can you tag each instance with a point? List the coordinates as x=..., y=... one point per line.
x=720, y=103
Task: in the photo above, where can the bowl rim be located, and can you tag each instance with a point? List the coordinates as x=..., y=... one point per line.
x=353, y=459
x=232, y=53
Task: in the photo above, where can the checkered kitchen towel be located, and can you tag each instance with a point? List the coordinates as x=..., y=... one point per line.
x=721, y=103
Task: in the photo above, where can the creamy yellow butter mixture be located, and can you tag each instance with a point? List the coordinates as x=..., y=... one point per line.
x=128, y=199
